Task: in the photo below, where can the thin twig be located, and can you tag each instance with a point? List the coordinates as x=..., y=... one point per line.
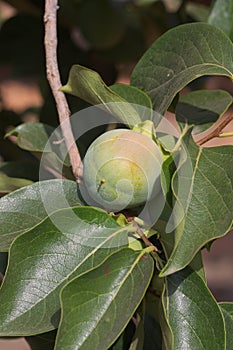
x=53, y=76
x=217, y=131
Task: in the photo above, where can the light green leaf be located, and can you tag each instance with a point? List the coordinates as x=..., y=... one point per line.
x=97, y=306
x=194, y=316
x=221, y=16
x=9, y=184
x=179, y=56
x=202, y=108
x=204, y=200
x=44, y=259
x=137, y=97
x=227, y=311
x=26, y=207
x=88, y=85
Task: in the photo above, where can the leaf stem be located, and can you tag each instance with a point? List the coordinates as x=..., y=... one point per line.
x=53, y=76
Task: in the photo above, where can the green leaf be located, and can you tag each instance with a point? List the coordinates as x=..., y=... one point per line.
x=198, y=12
x=9, y=184
x=26, y=207
x=137, y=97
x=193, y=314
x=88, y=85
x=179, y=56
x=67, y=243
x=227, y=311
x=204, y=202
x=106, y=23
x=221, y=16
x=43, y=140
x=137, y=342
x=97, y=306
x=21, y=169
x=202, y=108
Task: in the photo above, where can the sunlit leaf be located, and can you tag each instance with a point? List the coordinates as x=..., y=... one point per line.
x=26, y=207
x=227, y=311
x=193, y=314
x=179, y=56
x=97, y=306
x=203, y=202
x=42, y=260
x=88, y=85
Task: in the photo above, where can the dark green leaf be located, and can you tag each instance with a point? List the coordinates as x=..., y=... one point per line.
x=203, y=209
x=10, y=184
x=227, y=311
x=88, y=85
x=43, y=141
x=26, y=207
x=3, y=262
x=42, y=260
x=221, y=16
x=137, y=97
x=43, y=341
x=106, y=23
x=22, y=169
x=179, y=56
x=193, y=314
x=202, y=108
x=97, y=306
x=139, y=319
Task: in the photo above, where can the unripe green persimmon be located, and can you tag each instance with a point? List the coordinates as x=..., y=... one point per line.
x=121, y=169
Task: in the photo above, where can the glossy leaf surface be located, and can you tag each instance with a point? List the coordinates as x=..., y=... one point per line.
x=97, y=306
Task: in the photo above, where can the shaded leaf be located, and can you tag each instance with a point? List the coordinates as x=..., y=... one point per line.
x=193, y=314
x=204, y=199
x=43, y=341
x=202, y=108
x=106, y=23
x=42, y=260
x=137, y=97
x=221, y=16
x=97, y=306
x=43, y=140
x=22, y=169
x=26, y=207
x=139, y=319
x=227, y=311
x=179, y=56
x=88, y=85
x=3, y=262
x=9, y=184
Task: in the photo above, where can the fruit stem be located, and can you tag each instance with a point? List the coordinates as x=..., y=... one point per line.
x=143, y=237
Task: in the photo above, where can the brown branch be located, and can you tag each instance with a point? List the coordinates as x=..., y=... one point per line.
x=53, y=76
x=217, y=131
